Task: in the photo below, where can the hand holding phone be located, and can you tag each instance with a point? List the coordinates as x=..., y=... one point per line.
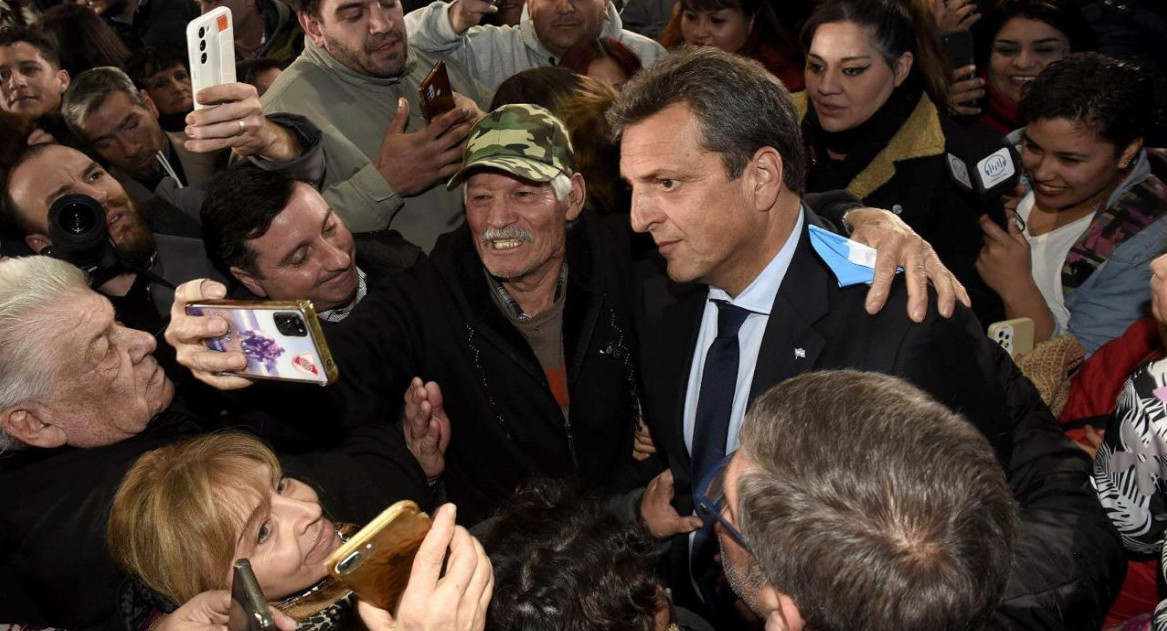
x=966, y=89
x=210, y=46
x=375, y=563
x=280, y=340
x=249, y=610
x=435, y=94
x=450, y=584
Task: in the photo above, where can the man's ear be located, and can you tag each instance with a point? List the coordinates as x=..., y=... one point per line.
x=577, y=197
x=37, y=241
x=153, y=109
x=902, y=67
x=763, y=177
x=24, y=423
x=781, y=612
x=249, y=281
x=64, y=78
x=311, y=25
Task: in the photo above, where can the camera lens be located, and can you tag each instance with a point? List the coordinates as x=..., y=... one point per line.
x=77, y=219
x=290, y=324
x=202, y=44
x=202, y=32
x=203, y=59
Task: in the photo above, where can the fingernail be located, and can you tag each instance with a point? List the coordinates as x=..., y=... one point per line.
x=220, y=327
x=917, y=314
x=216, y=291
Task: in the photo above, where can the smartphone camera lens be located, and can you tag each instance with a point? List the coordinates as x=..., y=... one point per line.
x=202, y=44
x=202, y=32
x=290, y=324
x=203, y=59
x=349, y=563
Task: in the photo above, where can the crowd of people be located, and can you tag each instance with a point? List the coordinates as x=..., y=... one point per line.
x=674, y=319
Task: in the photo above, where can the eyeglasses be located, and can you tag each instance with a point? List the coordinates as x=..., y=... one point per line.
x=710, y=499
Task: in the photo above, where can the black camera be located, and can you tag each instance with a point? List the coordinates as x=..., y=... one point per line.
x=290, y=323
x=80, y=236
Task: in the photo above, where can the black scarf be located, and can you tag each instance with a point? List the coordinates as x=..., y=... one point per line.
x=860, y=144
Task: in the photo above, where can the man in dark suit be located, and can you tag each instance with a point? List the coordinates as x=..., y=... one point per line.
x=711, y=147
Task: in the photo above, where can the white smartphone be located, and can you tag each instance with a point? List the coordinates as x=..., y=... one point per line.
x=210, y=45
x=1015, y=336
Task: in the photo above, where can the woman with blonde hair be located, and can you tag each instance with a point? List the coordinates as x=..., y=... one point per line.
x=185, y=512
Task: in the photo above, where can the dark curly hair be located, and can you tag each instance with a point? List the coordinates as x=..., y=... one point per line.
x=1113, y=96
x=563, y=563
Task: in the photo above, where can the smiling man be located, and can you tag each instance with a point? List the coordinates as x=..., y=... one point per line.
x=358, y=80
x=547, y=30
x=518, y=320
x=280, y=239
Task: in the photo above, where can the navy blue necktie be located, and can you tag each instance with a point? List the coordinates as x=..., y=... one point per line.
x=711, y=430
x=718, y=383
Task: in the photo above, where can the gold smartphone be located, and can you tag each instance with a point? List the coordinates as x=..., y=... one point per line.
x=375, y=563
x=281, y=339
x=1015, y=336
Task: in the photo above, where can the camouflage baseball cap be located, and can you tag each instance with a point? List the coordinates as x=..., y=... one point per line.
x=524, y=140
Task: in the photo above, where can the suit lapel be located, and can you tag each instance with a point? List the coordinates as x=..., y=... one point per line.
x=681, y=323
x=791, y=345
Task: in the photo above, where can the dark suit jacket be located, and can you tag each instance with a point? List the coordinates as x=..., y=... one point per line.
x=1068, y=560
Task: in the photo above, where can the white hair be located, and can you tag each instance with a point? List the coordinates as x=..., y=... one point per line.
x=561, y=184
x=28, y=286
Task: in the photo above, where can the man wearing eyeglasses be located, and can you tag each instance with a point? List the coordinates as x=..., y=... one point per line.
x=891, y=541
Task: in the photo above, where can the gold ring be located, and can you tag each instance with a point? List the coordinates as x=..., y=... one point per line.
x=242, y=127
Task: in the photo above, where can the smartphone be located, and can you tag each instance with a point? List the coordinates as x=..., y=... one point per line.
x=282, y=340
x=1015, y=336
x=210, y=46
x=249, y=611
x=958, y=46
x=375, y=563
x=435, y=94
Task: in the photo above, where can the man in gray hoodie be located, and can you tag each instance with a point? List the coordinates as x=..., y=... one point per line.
x=547, y=30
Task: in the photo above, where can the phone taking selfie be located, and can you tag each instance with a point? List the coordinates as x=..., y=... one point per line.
x=958, y=46
x=210, y=47
x=435, y=94
x=376, y=562
x=282, y=340
x=249, y=611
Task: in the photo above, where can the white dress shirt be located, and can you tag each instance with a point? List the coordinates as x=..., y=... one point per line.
x=758, y=299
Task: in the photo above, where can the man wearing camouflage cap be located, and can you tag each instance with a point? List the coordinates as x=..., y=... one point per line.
x=518, y=323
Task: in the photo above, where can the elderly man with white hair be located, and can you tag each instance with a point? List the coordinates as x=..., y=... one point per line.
x=81, y=397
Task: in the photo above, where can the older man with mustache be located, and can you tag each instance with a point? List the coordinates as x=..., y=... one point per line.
x=520, y=315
